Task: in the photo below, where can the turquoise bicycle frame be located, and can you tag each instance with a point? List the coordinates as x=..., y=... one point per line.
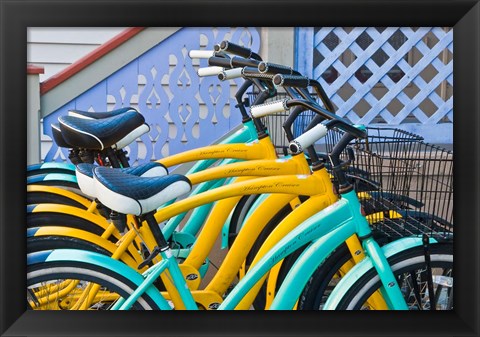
x=366, y=264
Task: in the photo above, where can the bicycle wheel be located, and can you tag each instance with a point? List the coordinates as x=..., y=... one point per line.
x=410, y=269
x=328, y=274
x=64, y=285
x=322, y=282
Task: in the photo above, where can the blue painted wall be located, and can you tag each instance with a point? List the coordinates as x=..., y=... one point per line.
x=183, y=110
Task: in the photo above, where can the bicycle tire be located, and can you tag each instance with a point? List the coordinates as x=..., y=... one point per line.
x=322, y=282
x=49, y=272
x=404, y=264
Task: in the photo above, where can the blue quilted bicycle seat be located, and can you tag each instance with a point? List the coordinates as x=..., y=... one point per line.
x=129, y=194
x=84, y=173
x=98, y=134
x=100, y=114
x=57, y=136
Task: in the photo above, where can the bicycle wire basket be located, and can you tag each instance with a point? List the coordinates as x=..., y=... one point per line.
x=405, y=184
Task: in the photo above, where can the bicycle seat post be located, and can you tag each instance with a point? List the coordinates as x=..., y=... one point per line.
x=156, y=231
x=162, y=244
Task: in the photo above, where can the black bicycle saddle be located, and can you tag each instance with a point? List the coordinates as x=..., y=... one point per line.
x=98, y=134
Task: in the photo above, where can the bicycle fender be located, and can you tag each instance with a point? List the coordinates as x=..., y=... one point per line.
x=70, y=210
x=97, y=220
x=57, y=231
x=81, y=256
x=361, y=268
x=59, y=191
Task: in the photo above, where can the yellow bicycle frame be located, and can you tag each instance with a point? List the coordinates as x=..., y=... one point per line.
x=285, y=188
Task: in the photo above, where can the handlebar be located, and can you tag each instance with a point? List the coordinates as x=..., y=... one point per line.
x=336, y=121
x=230, y=74
x=251, y=72
x=233, y=48
x=284, y=105
x=273, y=68
x=287, y=127
x=291, y=81
x=308, y=138
x=201, y=54
x=247, y=72
x=304, y=82
x=219, y=62
x=236, y=62
x=209, y=71
x=269, y=108
x=233, y=62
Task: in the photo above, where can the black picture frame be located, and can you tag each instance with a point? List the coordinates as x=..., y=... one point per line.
x=16, y=16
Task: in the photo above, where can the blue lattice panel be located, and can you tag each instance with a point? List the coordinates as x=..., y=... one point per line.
x=400, y=74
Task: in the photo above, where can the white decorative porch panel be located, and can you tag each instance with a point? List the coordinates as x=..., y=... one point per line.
x=395, y=76
x=183, y=110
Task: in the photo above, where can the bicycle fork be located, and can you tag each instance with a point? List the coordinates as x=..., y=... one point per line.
x=390, y=289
